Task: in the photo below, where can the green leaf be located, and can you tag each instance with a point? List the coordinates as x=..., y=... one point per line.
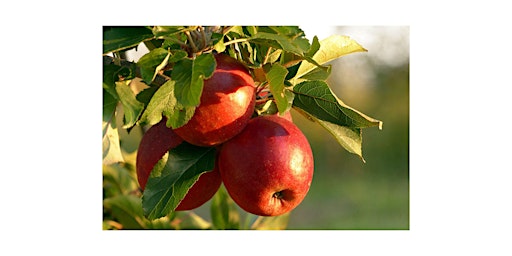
x=318, y=73
x=349, y=138
x=275, y=78
x=109, y=84
x=177, y=55
x=127, y=210
x=315, y=46
x=131, y=106
x=113, y=73
x=145, y=95
x=278, y=41
x=151, y=63
x=271, y=223
x=316, y=98
x=238, y=30
x=111, y=147
x=153, y=44
x=331, y=48
x=290, y=31
x=165, y=103
x=251, y=30
x=219, y=46
x=184, y=165
x=121, y=38
x=218, y=40
x=223, y=211
x=189, y=75
x=163, y=31
x=109, y=107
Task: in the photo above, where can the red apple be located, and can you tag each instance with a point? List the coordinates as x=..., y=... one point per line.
x=154, y=144
x=267, y=169
x=157, y=140
x=287, y=115
x=227, y=103
x=202, y=191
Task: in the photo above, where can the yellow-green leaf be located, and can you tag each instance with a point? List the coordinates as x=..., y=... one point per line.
x=331, y=48
x=349, y=138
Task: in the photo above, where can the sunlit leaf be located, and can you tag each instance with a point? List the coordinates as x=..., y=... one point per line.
x=189, y=75
x=219, y=46
x=164, y=103
x=275, y=78
x=162, y=31
x=111, y=147
x=350, y=139
x=165, y=190
x=161, y=223
x=131, y=106
x=331, y=48
x=290, y=31
x=219, y=42
x=316, y=98
x=318, y=73
x=278, y=41
x=153, y=62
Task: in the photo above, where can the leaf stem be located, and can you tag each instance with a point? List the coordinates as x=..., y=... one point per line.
x=239, y=40
x=267, y=56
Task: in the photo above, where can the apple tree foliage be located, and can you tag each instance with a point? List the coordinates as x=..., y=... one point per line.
x=288, y=69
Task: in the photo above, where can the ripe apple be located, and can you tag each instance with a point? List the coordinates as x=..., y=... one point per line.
x=227, y=103
x=154, y=144
x=202, y=191
x=267, y=169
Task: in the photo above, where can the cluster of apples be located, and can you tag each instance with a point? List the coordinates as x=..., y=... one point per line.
x=265, y=162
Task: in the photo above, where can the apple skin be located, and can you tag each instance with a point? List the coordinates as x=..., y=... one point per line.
x=202, y=191
x=155, y=142
x=159, y=139
x=227, y=103
x=267, y=169
x=286, y=115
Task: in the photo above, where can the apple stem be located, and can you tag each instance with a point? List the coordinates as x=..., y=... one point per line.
x=278, y=195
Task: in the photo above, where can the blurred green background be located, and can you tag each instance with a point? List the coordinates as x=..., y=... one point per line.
x=347, y=193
